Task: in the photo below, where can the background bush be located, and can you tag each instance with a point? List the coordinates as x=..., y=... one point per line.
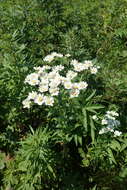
x=93, y=29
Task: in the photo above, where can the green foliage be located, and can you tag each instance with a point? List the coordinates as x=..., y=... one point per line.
x=64, y=151
x=34, y=163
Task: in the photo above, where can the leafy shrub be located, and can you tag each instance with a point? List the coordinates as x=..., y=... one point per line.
x=80, y=158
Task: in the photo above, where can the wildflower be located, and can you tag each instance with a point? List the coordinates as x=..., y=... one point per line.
x=26, y=103
x=54, y=91
x=88, y=64
x=78, y=67
x=71, y=74
x=39, y=99
x=117, y=133
x=102, y=131
x=74, y=62
x=68, y=85
x=43, y=88
x=67, y=55
x=49, y=58
x=32, y=79
x=95, y=117
x=32, y=95
x=49, y=100
x=93, y=70
x=82, y=85
x=74, y=93
x=56, y=54
x=104, y=122
x=58, y=68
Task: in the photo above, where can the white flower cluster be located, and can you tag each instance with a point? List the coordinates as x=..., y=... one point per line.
x=110, y=122
x=84, y=66
x=50, y=58
x=48, y=80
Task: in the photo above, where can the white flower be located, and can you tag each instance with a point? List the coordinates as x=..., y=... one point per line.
x=32, y=79
x=59, y=55
x=113, y=113
x=67, y=55
x=74, y=62
x=43, y=88
x=88, y=64
x=68, y=85
x=54, y=91
x=93, y=70
x=58, y=68
x=95, y=117
x=79, y=67
x=71, y=74
x=104, y=122
x=55, y=82
x=102, y=131
x=74, y=93
x=110, y=117
x=52, y=74
x=64, y=79
x=39, y=99
x=56, y=54
x=49, y=58
x=117, y=133
x=26, y=103
x=32, y=95
x=79, y=85
x=75, y=85
x=44, y=81
x=82, y=85
x=49, y=100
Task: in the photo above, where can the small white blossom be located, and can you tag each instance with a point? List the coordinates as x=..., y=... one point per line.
x=95, y=117
x=49, y=58
x=104, y=122
x=74, y=93
x=93, y=70
x=54, y=54
x=74, y=62
x=68, y=85
x=32, y=95
x=112, y=113
x=88, y=64
x=49, y=100
x=32, y=79
x=43, y=88
x=82, y=85
x=71, y=74
x=117, y=133
x=67, y=55
x=39, y=99
x=58, y=68
x=54, y=91
x=79, y=67
x=26, y=103
x=102, y=131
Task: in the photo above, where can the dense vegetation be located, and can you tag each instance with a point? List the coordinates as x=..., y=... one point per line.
x=59, y=147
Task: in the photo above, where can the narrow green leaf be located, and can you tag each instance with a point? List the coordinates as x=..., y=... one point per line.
x=85, y=119
x=111, y=155
x=91, y=96
x=92, y=129
x=76, y=139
